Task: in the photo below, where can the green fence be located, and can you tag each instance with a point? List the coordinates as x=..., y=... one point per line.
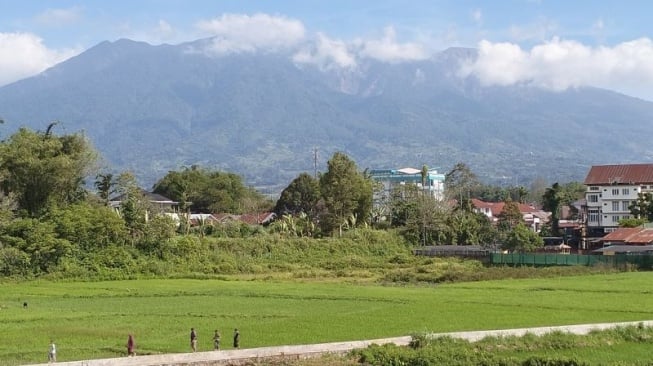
x=641, y=261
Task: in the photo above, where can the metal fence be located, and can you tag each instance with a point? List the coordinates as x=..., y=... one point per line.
x=641, y=261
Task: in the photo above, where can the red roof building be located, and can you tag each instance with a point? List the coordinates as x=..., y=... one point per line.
x=611, y=190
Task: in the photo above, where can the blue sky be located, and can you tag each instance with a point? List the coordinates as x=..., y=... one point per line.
x=550, y=44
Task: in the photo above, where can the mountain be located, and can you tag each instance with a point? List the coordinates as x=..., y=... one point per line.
x=150, y=109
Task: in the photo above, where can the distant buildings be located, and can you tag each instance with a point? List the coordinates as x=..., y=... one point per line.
x=390, y=178
x=533, y=217
x=611, y=190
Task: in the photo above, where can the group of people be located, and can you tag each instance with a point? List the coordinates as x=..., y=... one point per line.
x=216, y=339
x=131, y=344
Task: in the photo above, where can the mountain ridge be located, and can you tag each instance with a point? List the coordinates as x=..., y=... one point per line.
x=151, y=109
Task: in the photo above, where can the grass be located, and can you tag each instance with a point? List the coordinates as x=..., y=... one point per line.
x=93, y=319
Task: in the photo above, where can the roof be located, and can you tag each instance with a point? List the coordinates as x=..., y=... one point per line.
x=152, y=197
x=625, y=249
x=635, y=236
x=620, y=174
x=497, y=207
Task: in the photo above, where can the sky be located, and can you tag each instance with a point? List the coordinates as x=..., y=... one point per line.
x=550, y=44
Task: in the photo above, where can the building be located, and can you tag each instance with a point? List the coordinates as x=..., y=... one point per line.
x=611, y=190
x=533, y=217
x=390, y=178
x=157, y=203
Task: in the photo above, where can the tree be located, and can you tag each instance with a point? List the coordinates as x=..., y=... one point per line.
x=134, y=208
x=510, y=216
x=643, y=207
x=522, y=239
x=105, y=186
x=88, y=225
x=552, y=201
x=207, y=191
x=560, y=195
x=301, y=196
x=460, y=182
x=41, y=168
x=345, y=192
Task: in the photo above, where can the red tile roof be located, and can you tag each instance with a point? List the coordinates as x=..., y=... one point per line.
x=497, y=207
x=620, y=174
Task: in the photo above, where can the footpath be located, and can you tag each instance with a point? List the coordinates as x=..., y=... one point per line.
x=243, y=356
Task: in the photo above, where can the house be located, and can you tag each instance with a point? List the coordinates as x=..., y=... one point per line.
x=533, y=217
x=158, y=202
x=432, y=182
x=611, y=190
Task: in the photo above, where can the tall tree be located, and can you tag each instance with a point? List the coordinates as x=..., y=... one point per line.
x=301, y=195
x=105, y=186
x=346, y=193
x=459, y=182
x=42, y=168
x=552, y=201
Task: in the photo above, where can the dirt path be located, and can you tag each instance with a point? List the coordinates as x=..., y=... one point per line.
x=310, y=350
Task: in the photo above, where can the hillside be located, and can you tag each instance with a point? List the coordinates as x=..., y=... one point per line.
x=151, y=109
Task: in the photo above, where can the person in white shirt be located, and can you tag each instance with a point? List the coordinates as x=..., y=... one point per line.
x=52, y=353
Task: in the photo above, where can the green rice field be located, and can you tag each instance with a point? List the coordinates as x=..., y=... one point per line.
x=93, y=319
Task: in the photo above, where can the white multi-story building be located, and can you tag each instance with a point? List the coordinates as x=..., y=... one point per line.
x=389, y=178
x=611, y=190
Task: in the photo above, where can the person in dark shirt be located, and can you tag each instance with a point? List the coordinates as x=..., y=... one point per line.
x=193, y=339
x=216, y=340
x=236, y=338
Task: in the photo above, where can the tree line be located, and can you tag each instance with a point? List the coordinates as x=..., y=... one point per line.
x=50, y=219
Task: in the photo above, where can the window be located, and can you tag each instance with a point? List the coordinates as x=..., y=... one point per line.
x=615, y=191
x=615, y=206
x=625, y=191
x=615, y=218
x=594, y=188
x=624, y=205
x=643, y=188
x=593, y=217
x=592, y=198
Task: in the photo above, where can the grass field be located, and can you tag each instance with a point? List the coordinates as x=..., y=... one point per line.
x=93, y=319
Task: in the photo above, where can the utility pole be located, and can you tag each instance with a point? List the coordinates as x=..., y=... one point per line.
x=315, y=154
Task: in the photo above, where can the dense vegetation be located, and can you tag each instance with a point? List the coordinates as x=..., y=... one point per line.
x=52, y=225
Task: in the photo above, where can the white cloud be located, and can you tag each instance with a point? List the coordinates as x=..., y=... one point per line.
x=388, y=50
x=59, y=17
x=560, y=64
x=235, y=33
x=326, y=54
x=23, y=55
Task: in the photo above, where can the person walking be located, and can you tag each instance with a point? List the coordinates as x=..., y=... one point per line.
x=216, y=340
x=130, y=346
x=193, y=340
x=52, y=352
x=236, y=338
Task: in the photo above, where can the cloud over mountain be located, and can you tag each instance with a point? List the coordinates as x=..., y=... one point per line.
x=237, y=33
x=561, y=64
x=24, y=54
